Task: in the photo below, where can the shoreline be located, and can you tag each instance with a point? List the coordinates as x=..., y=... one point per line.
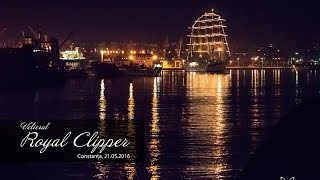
x=266, y=67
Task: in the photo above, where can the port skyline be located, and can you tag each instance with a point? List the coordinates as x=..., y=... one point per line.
x=249, y=23
x=195, y=89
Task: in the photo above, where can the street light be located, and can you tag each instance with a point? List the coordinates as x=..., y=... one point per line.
x=155, y=57
x=102, y=53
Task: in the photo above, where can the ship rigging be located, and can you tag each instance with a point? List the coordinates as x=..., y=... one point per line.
x=208, y=40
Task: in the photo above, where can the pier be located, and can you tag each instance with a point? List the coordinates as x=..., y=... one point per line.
x=257, y=67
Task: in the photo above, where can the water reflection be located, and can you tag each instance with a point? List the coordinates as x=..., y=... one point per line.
x=102, y=168
x=220, y=131
x=197, y=125
x=130, y=167
x=36, y=106
x=208, y=127
x=102, y=106
x=131, y=103
x=154, y=143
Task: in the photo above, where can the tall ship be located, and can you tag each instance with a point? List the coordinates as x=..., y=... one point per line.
x=208, y=45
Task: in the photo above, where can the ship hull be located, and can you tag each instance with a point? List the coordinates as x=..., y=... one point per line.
x=209, y=67
x=36, y=79
x=106, y=70
x=21, y=67
x=216, y=67
x=142, y=72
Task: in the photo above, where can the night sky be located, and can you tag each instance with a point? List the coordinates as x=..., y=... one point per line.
x=287, y=23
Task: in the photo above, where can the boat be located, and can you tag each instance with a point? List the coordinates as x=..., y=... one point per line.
x=35, y=63
x=75, y=63
x=209, y=49
x=139, y=71
x=106, y=69
x=209, y=66
x=75, y=73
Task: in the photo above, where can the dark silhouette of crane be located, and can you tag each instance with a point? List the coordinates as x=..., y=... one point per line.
x=34, y=34
x=69, y=35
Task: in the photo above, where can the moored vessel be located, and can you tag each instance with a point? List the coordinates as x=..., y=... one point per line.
x=211, y=66
x=140, y=71
x=209, y=49
x=36, y=63
x=75, y=63
x=106, y=70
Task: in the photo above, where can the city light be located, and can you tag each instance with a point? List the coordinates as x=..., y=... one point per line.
x=155, y=57
x=133, y=52
x=193, y=64
x=255, y=58
x=102, y=53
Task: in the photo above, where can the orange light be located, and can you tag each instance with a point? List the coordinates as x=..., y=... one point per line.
x=155, y=57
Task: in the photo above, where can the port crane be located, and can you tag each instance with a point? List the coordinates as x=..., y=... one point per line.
x=33, y=32
x=68, y=37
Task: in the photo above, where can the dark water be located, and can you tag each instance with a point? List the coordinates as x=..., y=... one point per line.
x=197, y=125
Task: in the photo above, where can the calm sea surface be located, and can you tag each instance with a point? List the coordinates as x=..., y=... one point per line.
x=197, y=125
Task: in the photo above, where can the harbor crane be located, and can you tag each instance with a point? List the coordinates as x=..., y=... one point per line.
x=69, y=35
x=33, y=32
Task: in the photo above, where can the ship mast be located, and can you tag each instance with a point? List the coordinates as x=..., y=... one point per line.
x=179, y=48
x=165, y=46
x=208, y=39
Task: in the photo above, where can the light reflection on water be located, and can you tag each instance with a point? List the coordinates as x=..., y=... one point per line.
x=102, y=169
x=197, y=125
x=154, y=143
x=207, y=127
x=130, y=167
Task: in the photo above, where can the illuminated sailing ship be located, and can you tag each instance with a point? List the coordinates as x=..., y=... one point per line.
x=209, y=49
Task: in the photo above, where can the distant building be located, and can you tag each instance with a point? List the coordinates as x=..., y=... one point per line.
x=143, y=59
x=172, y=64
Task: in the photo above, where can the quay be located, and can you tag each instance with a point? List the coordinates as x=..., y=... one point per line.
x=257, y=67
x=237, y=67
x=172, y=69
